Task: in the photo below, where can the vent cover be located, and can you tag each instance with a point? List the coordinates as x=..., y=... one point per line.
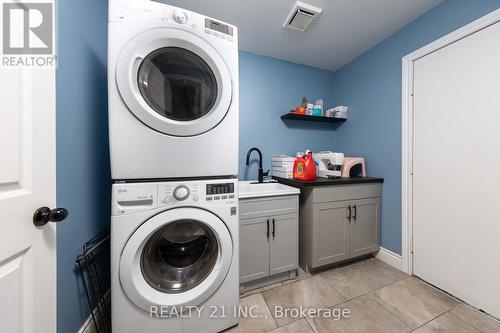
x=301, y=16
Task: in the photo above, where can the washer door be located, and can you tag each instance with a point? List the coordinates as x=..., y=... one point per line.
x=174, y=82
x=176, y=258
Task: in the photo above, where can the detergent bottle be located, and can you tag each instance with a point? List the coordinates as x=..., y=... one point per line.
x=299, y=167
x=304, y=167
x=310, y=173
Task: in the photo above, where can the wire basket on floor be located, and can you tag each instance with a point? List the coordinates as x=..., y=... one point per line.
x=93, y=264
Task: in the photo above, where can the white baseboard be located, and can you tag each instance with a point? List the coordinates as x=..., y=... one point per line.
x=88, y=325
x=391, y=258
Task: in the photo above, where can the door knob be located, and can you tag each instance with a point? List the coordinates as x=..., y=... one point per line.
x=43, y=215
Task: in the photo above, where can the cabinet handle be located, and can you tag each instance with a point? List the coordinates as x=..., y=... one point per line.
x=355, y=213
x=349, y=214
x=274, y=228
x=267, y=233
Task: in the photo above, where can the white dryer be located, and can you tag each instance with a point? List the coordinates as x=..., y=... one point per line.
x=174, y=256
x=173, y=93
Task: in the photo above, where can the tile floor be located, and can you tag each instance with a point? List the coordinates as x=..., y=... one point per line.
x=378, y=297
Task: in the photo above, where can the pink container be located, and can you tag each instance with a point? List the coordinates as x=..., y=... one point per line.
x=349, y=163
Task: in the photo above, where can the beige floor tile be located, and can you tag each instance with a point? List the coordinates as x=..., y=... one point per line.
x=311, y=293
x=362, y=278
x=477, y=319
x=413, y=301
x=298, y=326
x=366, y=315
x=261, y=319
x=446, y=323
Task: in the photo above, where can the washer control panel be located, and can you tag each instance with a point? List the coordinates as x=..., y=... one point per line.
x=209, y=191
x=128, y=198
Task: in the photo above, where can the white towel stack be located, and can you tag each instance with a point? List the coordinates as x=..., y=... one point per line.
x=282, y=166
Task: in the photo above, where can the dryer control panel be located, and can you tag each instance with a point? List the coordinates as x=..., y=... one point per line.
x=170, y=16
x=128, y=198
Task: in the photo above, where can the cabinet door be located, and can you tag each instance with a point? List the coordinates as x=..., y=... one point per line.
x=331, y=231
x=284, y=246
x=364, y=233
x=254, y=249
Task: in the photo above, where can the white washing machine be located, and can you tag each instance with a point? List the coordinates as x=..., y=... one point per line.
x=173, y=93
x=174, y=256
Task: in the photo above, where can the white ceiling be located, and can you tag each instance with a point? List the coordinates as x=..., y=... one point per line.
x=344, y=30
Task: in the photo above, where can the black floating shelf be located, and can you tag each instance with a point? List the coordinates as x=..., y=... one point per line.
x=292, y=116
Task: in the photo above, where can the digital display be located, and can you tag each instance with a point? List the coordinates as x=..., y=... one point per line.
x=219, y=27
x=220, y=188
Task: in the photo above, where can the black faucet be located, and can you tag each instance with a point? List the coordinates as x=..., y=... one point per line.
x=261, y=171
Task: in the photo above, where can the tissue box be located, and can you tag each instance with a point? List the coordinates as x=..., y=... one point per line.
x=337, y=112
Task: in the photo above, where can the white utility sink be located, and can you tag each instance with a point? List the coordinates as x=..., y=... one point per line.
x=252, y=189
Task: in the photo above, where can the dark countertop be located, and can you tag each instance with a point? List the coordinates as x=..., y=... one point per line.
x=328, y=181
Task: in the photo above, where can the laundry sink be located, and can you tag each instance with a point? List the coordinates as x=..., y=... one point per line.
x=253, y=189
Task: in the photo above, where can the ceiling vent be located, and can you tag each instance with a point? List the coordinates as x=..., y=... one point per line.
x=301, y=16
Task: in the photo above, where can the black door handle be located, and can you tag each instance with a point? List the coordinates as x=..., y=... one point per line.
x=274, y=228
x=355, y=213
x=267, y=233
x=350, y=213
x=44, y=215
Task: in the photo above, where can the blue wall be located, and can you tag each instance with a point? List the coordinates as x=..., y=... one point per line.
x=269, y=88
x=83, y=175
x=371, y=87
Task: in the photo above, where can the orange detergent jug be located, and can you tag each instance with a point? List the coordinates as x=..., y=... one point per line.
x=299, y=167
x=310, y=173
x=304, y=167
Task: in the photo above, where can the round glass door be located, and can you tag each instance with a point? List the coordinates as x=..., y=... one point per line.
x=179, y=256
x=177, y=84
x=174, y=82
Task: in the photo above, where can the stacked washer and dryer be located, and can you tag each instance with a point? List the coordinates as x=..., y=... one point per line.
x=173, y=128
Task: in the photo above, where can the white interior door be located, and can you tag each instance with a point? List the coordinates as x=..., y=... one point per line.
x=27, y=182
x=457, y=169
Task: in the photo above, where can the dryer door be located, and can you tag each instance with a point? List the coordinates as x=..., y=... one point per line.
x=177, y=258
x=174, y=82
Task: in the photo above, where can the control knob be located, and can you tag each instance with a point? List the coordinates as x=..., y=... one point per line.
x=181, y=193
x=180, y=16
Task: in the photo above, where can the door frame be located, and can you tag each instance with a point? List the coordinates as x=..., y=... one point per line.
x=407, y=132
